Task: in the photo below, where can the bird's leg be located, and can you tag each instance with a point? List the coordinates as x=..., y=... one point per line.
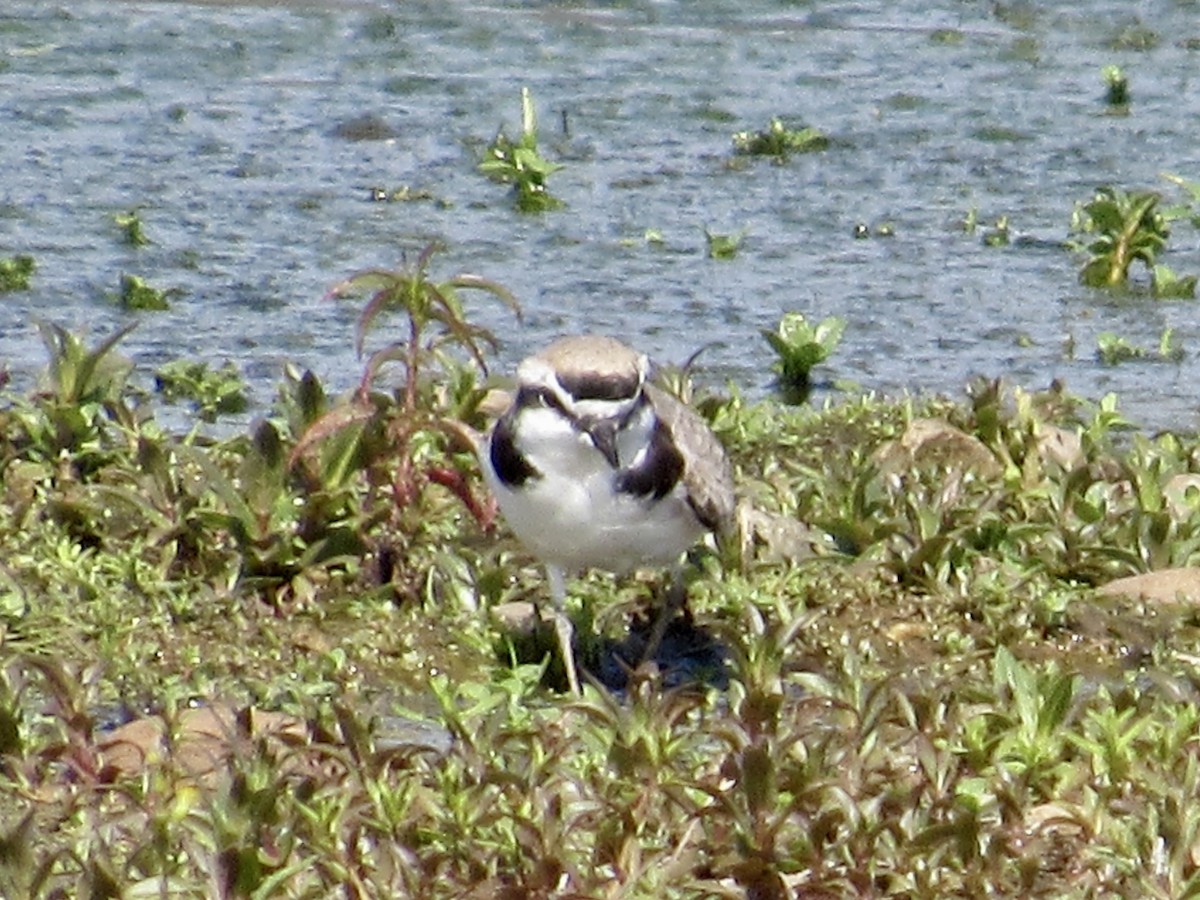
x=675, y=600
x=562, y=626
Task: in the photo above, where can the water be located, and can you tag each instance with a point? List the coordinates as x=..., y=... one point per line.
x=219, y=123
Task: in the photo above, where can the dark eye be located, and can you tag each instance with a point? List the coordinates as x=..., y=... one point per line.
x=539, y=397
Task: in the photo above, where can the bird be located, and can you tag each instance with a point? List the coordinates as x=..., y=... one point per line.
x=594, y=467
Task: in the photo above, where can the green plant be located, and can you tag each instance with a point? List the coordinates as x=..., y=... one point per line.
x=779, y=141
x=212, y=392
x=800, y=346
x=132, y=230
x=723, y=246
x=1113, y=349
x=136, y=294
x=521, y=164
x=400, y=440
x=15, y=272
x=998, y=235
x=1127, y=228
x=1117, y=86
x=1166, y=285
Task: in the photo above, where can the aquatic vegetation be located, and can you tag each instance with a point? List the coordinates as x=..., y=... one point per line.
x=1127, y=228
x=1167, y=285
x=800, y=346
x=998, y=235
x=1116, y=86
x=1122, y=228
x=212, y=392
x=723, y=246
x=133, y=232
x=15, y=272
x=779, y=141
x=951, y=37
x=521, y=164
x=136, y=294
x=1113, y=349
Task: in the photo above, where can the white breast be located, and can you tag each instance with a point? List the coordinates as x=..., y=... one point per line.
x=574, y=518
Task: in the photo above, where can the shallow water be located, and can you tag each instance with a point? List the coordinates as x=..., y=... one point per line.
x=219, y=123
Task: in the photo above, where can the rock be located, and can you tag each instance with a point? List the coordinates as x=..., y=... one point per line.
x=933, y=443
x=1061, y=447
x=520, y=617
x=202, y=741
x=367, y=127
x=1164, y=586
x=1182, y=494
x=773, y=538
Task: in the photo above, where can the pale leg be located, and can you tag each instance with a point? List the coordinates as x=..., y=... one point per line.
x=562, y=626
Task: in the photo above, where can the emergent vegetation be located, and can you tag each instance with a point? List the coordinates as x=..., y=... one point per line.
x=799, y=347
x=15, y=272
x=779, y=141
x=938, y=703
x=1117, y=87
x=136, y=294
x=521, y=164
x=1113, y=349
x=1122, y=228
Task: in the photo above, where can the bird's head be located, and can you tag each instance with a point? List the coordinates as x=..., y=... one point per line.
x=595, y=383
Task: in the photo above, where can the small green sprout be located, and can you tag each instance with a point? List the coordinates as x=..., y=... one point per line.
x=15, y=272
x=520, y=164
x=136, y=294
x=998, y=235
x=723, y=246
x=1117, y=93
x=1166, y=285
x=799, y=346
x=1113, y=349
x=779, y=141
x=131, y=227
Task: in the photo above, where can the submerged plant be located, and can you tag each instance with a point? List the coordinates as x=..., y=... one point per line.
x=800, y=346
x=779, y=141
x=15, y=272
x=521, y=164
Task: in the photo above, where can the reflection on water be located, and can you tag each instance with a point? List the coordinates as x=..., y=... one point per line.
x=234, y=131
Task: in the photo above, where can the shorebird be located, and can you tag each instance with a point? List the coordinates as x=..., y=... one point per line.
x=593, y=467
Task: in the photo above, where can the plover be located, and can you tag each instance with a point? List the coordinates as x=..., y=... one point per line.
x=593, y=467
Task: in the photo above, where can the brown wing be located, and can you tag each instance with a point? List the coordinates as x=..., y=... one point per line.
x=706, y=474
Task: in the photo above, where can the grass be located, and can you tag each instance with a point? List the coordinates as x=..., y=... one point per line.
x=936, y=704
